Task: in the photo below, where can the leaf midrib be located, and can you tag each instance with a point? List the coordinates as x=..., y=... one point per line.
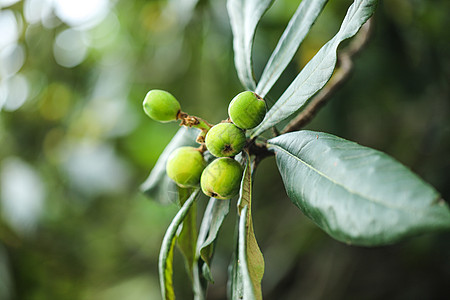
x=374, y=200
x=335, y=40
x=284, y=54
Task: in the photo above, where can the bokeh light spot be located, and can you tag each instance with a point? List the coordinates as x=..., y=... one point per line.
x=9, y=28
x=22, y=195
x=17, y=92
x=85, y=13
x=6, y=3
x=12, y=58
x=70, y=48
x=37, y=10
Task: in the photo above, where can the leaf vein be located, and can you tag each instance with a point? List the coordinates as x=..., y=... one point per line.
x=376, y=201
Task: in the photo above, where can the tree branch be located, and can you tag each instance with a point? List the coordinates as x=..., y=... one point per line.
x=345, y=67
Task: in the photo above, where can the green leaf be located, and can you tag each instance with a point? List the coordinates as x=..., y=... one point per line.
x=188, y=236
x=249, y=254
x=244, y=17
x=294, y=34
x=235, y=286
x=356, y=194
x=215, y=213
x=319, y=69
x=213, y=217
x=199, y=285
x=245, y=192
x=250, y=260
x=165, y=264
x=166, y=280
x=247, y=265
x=158, y=185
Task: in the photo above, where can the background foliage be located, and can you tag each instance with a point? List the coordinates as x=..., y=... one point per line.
x=75, y=146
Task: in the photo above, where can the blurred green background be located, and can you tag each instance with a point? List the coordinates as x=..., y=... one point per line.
x=75, y=145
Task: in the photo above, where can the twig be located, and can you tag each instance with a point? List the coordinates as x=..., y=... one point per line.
x=260, y=151
x=341, y=75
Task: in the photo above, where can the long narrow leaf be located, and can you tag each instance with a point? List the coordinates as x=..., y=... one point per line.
x=215, y=214
x=244, y=17
x=319, y=69
x=245, y=192
x=213, y=217
x=188, y=236
x=250, y=255
x=199, y=283
x=158, y=185
x=296, y=31
x=165, y=264
x=250, y=292
x=356, y=194
x=235, y=285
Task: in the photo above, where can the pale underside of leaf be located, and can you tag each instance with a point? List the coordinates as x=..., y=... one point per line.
x=244, y=18
x=187, y=238
x=356, y=194
x=214, y=216
x=319, y=69
x=165, y=262
x=291, y=39
x=235, y=284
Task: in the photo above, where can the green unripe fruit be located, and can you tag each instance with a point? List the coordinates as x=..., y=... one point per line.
x=185, y=166
x=161, y=106
x=222, y=178
x=247, y=110
x=225, y=139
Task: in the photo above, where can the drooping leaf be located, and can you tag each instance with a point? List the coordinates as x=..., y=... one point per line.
x=202, y=236
x=235, y=285
x=249, y=252
x=188, y=236
x=158, y=185
x=356, y=194
x=199, y=282
x=244, y=17
x=215, y=213
x=319, y=69
x=166, y=280
x=247, y=265
x=294, y=34
x=165, y=263
x=245, y=191
x=213, y=217
x=250, y=284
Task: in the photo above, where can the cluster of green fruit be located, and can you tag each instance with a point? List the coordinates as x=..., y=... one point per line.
x=186, y=165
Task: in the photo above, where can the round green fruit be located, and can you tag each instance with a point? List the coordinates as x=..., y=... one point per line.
x=247, y=110
x=161, y=106
x=225, y=139
x=185, y=166
x=221, y=179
